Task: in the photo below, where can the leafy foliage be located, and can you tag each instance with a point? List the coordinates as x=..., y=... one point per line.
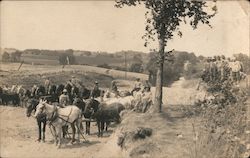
x=5, y=57
x=164, y=17
x=12, y=57
x=245, y=61
x=67, y=57
x=174, y=68
x=224, y=120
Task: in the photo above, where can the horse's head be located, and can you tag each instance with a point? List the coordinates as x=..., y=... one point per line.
x=30, y=106
x=40, y=108
x=91, y=106
x=79, y=103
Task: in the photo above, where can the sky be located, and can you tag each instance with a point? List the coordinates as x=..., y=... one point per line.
x=99, y=26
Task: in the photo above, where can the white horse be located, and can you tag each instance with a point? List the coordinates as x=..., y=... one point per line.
x=60, y=117
x=128, y=102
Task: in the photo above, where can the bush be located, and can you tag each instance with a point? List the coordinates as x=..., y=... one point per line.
x=224, y=122
x=104, y=66
x=136, y=67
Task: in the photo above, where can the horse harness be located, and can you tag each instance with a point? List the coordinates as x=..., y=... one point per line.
x=55, y=115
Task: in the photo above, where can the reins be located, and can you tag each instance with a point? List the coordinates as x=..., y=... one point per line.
x=67, y=117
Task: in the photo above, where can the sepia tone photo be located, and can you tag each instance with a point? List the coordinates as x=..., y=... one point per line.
x=125, y=79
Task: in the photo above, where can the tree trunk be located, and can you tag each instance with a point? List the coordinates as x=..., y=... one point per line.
x=159, y=78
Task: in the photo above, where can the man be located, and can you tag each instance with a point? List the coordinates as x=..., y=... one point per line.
x=213, y=69
x=236, y=67
x=96, y=91
x=47, y=83
x=114, y=88
x=33, y=90
x=64, y=99
x=146, y=99
x=147, y=85
x=75, y=82
x=137, y=86
x=225, y=70
x=218, y=68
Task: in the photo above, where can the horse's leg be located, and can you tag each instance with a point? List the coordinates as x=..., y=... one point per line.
x=78, y=124
x=44, y=130
x=55, y=134
x=86, y=130
x=64, y=131
x=107, y=124
x=59, y=136
x=39, y=130
x=99, y=128
x=81, y=126
x=88, y=127
x=102, y=127
x=73, y=132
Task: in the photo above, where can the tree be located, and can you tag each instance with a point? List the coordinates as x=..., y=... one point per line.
x=245, y=61
x=6, y=56
x=163, y=19
x=136, y=67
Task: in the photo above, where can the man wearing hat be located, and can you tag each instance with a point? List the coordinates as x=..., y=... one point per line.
x=137, y=86
x=47, y=83
x=64, y=99
x=96, y=91
x=75, y=82
x=114, y=88
x=146, y=98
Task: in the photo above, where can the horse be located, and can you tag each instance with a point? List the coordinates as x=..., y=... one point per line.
x=40, y=91
x=41, y=118
x=81, y=105
x=52, y=89
x=22, y=94
x=75, y=92
x=69, y=87
x=128, y=102
x=10, y=97
x=91, y=106
x=85, y=93
x=59, y=89
x=97, y=93
x=1, y=93
x=103, y=113
x=60, y=117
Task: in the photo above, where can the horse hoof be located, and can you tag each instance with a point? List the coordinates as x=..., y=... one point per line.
x=72, y=142
x=38, y=140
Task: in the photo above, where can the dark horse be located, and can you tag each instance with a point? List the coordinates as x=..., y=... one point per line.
x=59, y=89
x=51, y=97
x=91, y=107
x=103, y=113
x=40, y=91
x=41, y=119
x=85, y=93
x=69, y=87
x=75, y=92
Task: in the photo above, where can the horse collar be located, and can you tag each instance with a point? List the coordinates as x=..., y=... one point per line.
x=54, y=115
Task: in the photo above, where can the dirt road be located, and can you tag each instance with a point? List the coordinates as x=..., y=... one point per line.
x=19, y=134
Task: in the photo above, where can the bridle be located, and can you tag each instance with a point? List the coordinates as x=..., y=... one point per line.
x=55, y=115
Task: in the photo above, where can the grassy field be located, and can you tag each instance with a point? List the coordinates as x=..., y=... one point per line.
x=29, y=75
x=82, y=60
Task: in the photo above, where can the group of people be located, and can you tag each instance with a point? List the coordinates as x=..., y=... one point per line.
x=144, y=88
x=220, y=68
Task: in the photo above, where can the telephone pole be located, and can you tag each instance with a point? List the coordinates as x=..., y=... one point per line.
x=125, y=62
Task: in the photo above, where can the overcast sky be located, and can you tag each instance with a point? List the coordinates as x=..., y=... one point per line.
x=99, y=26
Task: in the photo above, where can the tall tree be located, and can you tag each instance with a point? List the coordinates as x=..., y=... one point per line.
x=163, y=19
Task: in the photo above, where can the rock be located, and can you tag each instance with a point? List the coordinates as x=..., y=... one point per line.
x=142, y=133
